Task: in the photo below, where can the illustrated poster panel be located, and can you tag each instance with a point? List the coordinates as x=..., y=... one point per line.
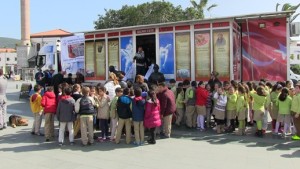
x=222, y=54
x=183, y=56
x=113, y=53
x=89, y=59
x=264, y=51
x=127, y=54
x=202, y=55
x=100, y=59
x=237, y=55
x=166, y=54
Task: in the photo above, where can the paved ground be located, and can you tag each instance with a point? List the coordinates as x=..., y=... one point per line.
x=186, y=149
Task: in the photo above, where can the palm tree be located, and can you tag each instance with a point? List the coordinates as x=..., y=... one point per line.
x=200, y=7
x=289, y=7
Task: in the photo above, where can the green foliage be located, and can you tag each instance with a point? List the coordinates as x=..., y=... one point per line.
x=289, y=7
x=150, y=13
x=295, y=69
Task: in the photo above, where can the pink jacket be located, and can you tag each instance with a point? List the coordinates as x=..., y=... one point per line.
x=49, y=102
x=152, y=114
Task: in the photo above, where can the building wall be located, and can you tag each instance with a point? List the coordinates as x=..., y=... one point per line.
x=8, y=61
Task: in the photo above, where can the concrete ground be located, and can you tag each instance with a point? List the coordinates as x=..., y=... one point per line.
x=186, y=149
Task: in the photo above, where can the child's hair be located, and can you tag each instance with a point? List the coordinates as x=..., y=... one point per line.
x=194, y=84
x=143, y=87
x=269, y=84
x=152, y=96
x=284, y=94
x=262, y=84
x=92, y=88
x=85, y=91
x=234, y=84
x=131, y=92
x=129, y=83
x=63, y=86
x=260, y=91
x=49, y=89
x=114, y=78
x=76, y=87
x=206, y=85
x=102, y=88
x=137, y=92
x=172, y=81
x=200, y=83
x=225, y=83
x=126, y=91
x=37, y=88
x=250, y=86
x=186, y=82
x=118, y=90
x=163, y=84
x=241, y=89
x=68, y=91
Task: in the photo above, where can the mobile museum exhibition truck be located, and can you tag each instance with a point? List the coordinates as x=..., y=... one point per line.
x=247, y=48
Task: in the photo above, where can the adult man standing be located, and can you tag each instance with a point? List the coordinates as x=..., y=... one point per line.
x=140, y=62
x=167, y=107
x=39, y=77
x=156, y=77
x=3, y=100
x=57, y=80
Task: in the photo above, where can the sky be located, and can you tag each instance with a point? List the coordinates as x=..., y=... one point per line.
x=78, y=15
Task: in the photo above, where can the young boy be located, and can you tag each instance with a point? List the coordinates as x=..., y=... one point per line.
x=85, y=107
x=190, y=100
x=37, y=110
x=113, y=113
x=124, y=113
x=138, y=112
x=66, y=116
x=49, y=104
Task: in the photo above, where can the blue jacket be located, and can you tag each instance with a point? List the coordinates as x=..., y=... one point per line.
x=138, y=109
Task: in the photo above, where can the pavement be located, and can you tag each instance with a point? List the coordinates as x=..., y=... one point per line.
x=185, y=149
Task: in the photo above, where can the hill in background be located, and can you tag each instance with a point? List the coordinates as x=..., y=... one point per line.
x=8, y=42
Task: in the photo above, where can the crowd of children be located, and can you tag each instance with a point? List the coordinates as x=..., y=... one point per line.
x=223, y=107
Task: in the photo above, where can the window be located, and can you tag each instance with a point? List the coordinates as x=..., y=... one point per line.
x=16, y=59
x=38, y=47
x=7, y=59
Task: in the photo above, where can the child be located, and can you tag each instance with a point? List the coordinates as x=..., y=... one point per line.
x=284, y=103
x=124, y=113
x=208, y=105
x=94, y=95
x=259, y=100
x=231, y=109
x=66, y=116
x=241, y=109
x=172, y=86
x=49, y=104
x=179, y=103
x=276, y=90
x=103, y=112
x=152, y=115
x=219, y=109
x=84, y=106
x=295, y=108
x=138, y=111
x=37, y=110
x=201, y=99
x=190, y=100
x=113, y=113
x=76, y=95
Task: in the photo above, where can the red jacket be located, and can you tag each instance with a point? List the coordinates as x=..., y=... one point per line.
x=152, y=114
x=201, y=96
x=49, y=102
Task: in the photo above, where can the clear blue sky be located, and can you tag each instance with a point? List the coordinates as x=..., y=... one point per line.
x=78, y=15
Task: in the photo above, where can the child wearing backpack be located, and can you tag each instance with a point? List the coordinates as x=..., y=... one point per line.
x=84, y=106
x=138, y=111
x=124, y=112
x=113, y=113
x=66, y=116
x=219, y=109
x=37, y=110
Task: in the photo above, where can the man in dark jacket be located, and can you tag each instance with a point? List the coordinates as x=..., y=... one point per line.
x=167, y=107
x=124, y=113
x=156, y=77
x=56, y=80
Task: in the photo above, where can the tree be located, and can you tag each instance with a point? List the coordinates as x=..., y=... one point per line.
x=200, y=7
x=150, y=13
x=289, y=7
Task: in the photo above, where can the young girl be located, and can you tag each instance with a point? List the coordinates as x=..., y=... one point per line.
x=208, y=105
x=284, y=103
x=103, y=112
x=276, y=90
x=219, y=109
x=93, y=94
x=231, y=109
x=152, y=115
x=201, y=99
x=241, y=109
x=259, y=100
x=179, y=103
x=138, y=111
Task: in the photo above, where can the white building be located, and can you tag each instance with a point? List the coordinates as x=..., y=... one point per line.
x=8, y=60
